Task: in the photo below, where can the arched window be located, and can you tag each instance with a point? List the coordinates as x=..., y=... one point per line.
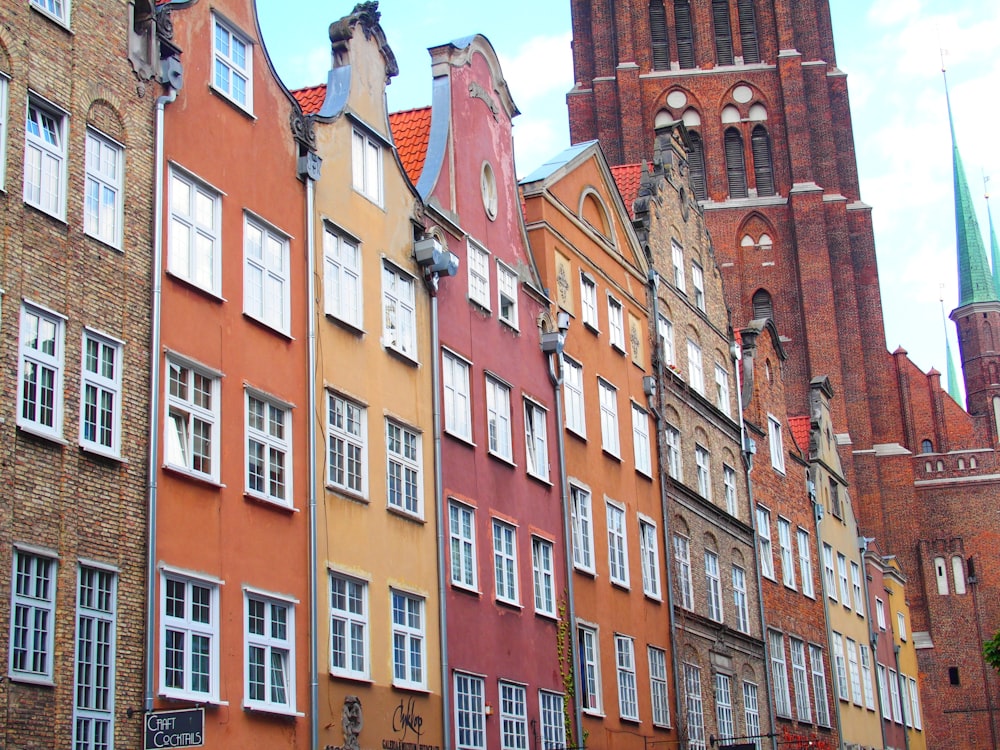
x=760, y=145
x=939, y=466
x=927, y=447
x=961, y=464
x=736, y=170
x=958, y=573
x=723, y=32
x=696, y=161
x=941, y=574
x=762, y=306
x=658, y=35
x=748, y=31
x=685, y=33
x=972, y=462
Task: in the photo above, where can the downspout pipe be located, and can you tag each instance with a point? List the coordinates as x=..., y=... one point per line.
x=313, y=531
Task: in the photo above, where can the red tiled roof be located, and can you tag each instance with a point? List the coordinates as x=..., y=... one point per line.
x=628, y=177
x=411, y=131
x=310, y=98
x=800, y=432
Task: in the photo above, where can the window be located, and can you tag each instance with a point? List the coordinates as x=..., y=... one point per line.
x=828, y=574
x=3, y=129
x=748, y=32
x=55, y=8
x=407, y=640
x=736, y=172
x=462, y=539
x=958, y=569
x=103, y=186
x=723, y=32
x=366, y=166
x=536, y=440
x=819, y=685
x=763, y=306
x=93, y=699
x=573, y=393
x=628, y=702
x=696, y=375
x=901, y=622
x=583, y=529
x=347, y=445
x=835, y=499
x=702, y=461
x=543, y=570
x=403, y=469
x=785, y=547
x=470, y=716
x=666, y=331
x=590, y=666
x=805, y=562
x=751, y=711
x=682, y=557
x=914, y=703
x=270, y=654
x=779, y=675
x=866, y=676
x=616, y=324
x=45, y=157
x=777, y=446
x=696, y=164
x=694, y=707
x=740, y=599
x=677, y=258
x=617, y=545
x=457, y=409
x=650, y=558
x=269, y=450
x=800, y=680
x=658, y=35
x=100, y=394
x=698, y=282
x=856, y=588
x=845, y=592
x=343, y=292
x=673, y=439
x=714, y=586
x=658, y=686
x=729, y=483
x=640, y=441
x=880, y=613
x=33, y=609
x=764, y=541
x=722, y=390
x=553, y=721
x=348, y=627
x=233, y=64
x=192, y=420
x=883, y=692
x=189, y=638
x=840, y=667
x=195, y=252
x=265, y=275
x=941, y=573
x=513, y=717
x=398, y=311
x=897, y=708
x=763, y=169
x=724, y=706
x=40, y=385
x=507, y=294
x=479, y=275
x=609, y=417
x=505, y=561
x=588, y=301
x=498, y=418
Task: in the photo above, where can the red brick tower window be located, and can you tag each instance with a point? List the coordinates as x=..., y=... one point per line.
x=763, y=169
x=748, y=31
x=658, y=35
x=723, y=32
x=696, y=161
x=736, y=171
x=762, y=305
x=685, y=33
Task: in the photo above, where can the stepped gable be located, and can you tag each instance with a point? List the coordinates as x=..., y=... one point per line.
x=411, y=132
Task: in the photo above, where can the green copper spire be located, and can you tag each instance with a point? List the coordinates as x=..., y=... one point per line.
x=994, y=247
x=975, y=283
x=953, y=388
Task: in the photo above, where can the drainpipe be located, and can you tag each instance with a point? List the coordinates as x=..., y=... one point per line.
x=154, y=396
x=313, y=531
x=818, y=511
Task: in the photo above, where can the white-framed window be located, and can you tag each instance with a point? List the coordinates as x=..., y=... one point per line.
x=4, y=81
x=722, y=390
x=724, y=706
x=505, y=562
x=33, y=613
x=103, y=189
x=751, y=711
x=785, y=550
x=513, y=716
x=800, y=680
x=269, y=449
x=616, y=324
x=698, y=282
x=828, y=573
x=677, y=256
x=658, y=693
x=101, y=394
x=195, y=233
x=713, y=585
x=609, y=417
x=840, y=666
x=590, y=667
x=845, y=589
x=498, y=418
x=457, y=407
x=883, y=691
x=366, y=166
x=649, y=549
x=628, y=701
x=94, y=696
x=729, y=484
x=347, y=445
x=901, y=623
x=694, y=707
x=403, y=484
x=470, y=714
x=348, y=626
x=479, y=275
x=343, y=292
x=573, y=395
x=232, y=63
x=853, y=670
x=583, y=528
x=58, y=9
x=740, y=601
x=856, y=588
x=764, y=542
x=866, y=676
x=550, y=710
x=266, y=282
x=666, y=331
x=399, y=321
x=682, y=558
x=805, y=562
x=192, y=442
x=818, y=672
x=696, y=374
x=189, y=637
x=45, y=157
x=536, y=440
x=507, y=294
x=703, y=471
x=897, y=708
x=40, y=380
x=914, y=703
x=880, y=613
x=640, y=440
x=588, y=300
x=408, y=634
x=617, y=545
x=543, y=574
x=270, y=653
x=462, y=543
x=776, y=443
x=673, y=440
x=779, y=674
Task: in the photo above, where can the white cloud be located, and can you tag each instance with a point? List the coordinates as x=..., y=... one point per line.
x=540, y=69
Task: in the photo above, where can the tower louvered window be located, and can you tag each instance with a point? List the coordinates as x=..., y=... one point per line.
x=736, y=172
x=748, y=31
x=658, y=35
x=763, y=169
x=762, y=306
x=723, y=32
x=685, y=33
x=696, y=161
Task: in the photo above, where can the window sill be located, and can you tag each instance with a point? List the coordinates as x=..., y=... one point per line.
x=347, y=325
x=589, y=572
x=478, y=304
x=232, y=102
x=619, y=349
x=466, y=441
x=508, y=604
x=635, y=720
x=199, y=478
x=276, y=711
x=61, y=23
x=612, y=455
x=470, y=590
x=103, y=453
x=501, y=459
x=52, y=437
x=551, y=616
x=197, y=700
x=209, y=293
x=592, y=328
x=402, y=356
x=29, y=679
x=358, y=678
x=621, y=585
x=61, y=218
x=595, y=712
x=347, y=494
x=269, y=503
x=540, y=479
x=582, y=436
x=510, y=326
x=644, y=474
x=410, y=687
x=656, y=598
x=268, y=327
x=405, y=514
x=116, y=246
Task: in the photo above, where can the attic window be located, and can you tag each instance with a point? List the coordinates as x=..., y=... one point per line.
x=762, y=305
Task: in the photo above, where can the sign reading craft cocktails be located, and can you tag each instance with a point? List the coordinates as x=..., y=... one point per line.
x=173, y=729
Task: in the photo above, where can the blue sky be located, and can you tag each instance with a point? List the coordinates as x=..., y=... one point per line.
x=888, y=48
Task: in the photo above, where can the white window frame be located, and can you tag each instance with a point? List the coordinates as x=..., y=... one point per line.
x=507, y=287
x=610, y=440
x=859, y=602
x=853, y=669
x=880, y=613
x=800, y=680
x=32, y=414
x=552, y=719
x=266, y=274
x=897, y=708
x=694, y=707
x=588, y=301
x=193, y=234
x=347, y=443
x=650, y=555
x=104, y=185
x=409, y=639
x=277, y=641
x=101, y=421
x=56, y=9
x=232, y=64
x=673, y=440
x=187, y=411
x=582, y=512
x=829, y=575
x=628, y=700
x=45, y=156
x=665, y=329
x=536, y=440
x=618, y=570
x=805, y=561
x=404, y=487
x=845, y=590
x=866, y=676
x=682, y=558
x=513, y=715
x=724, y=706
x=479, y=275
x=590, y=667
x=4, y=85
x=640, y=440
x=698, y=283
x=272, y=432
x=188, y=628
x=462, y=545
x=751, y=710
x=785, y=550
x=366, y=165
x=901, y=624
x=470, y=712
x=883, y=691
x=498, y=419
x=840, y=667
x=616, y=324
x=703, y=471
x=399, y=312
x=764, y=542
x=779, y=674
x=343, y=290
x=818, y=672
x=677, y=256
x=914, y=702
x=95, y=657
x=722, y=390
x=740, y=600
x=576, y=420
x=729, y=487
x=505, y=576
x=659, y=695
x=32, y=616
x=713, y=586
x=776, y=444
x=457, y=403
x=696, y=372
x=543, y=575
x=349, y=613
